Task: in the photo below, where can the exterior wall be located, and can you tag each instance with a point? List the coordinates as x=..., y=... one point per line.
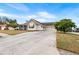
x=22, y=27
x=11, y=28
x=49, y=27
x=2, y=27
x=39, y=27
x=30, y=25
x=36, y=26
x=33, y=26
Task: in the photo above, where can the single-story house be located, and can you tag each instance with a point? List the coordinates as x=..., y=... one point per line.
x=36, y=25
x=75, y=30
x=2, y=26
x=11, y=28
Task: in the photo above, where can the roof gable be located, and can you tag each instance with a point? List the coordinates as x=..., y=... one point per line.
x=35, y=21
x=38, y=23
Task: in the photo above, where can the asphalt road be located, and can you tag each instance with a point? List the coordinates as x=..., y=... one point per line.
x=30, y=43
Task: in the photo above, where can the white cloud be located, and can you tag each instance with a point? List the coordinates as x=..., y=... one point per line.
x=46, y=15
x=31, y=16
x=20, y=19
x=20, y=7
x=41, y=19
x=10, y=15
x=1, y=10
x=42, y=16
x=71, y=13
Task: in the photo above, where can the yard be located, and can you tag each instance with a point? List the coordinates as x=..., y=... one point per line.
x=12, y=32
x=68, y=42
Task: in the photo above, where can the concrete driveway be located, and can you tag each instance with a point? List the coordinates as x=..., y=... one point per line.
x=31, y=43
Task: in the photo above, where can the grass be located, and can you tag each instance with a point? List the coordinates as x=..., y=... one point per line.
x=68, y=42
x=12, y=32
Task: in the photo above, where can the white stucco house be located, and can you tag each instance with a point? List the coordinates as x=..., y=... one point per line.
x=2, y=27
x=35, y=25
x=11, y=28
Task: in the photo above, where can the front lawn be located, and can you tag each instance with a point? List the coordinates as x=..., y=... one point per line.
x=68, y=42
x=12, y=32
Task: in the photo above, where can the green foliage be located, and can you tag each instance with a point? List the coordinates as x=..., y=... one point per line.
x=8, y=22
x=64, y=25
x=12, y=23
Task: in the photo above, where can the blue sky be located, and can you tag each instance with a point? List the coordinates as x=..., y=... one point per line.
x=43, y=12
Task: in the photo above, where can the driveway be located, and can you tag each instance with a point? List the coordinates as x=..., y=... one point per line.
x=77, y=33
x=30, y=43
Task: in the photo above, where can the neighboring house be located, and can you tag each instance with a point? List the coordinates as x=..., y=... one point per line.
x=2, y=26
x=75, y=30
x=35, y=25
x=11, y=28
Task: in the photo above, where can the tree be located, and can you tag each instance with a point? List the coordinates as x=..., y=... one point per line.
x=4, y=20
x=65, y=25
x=8, y=21
x=12, y=23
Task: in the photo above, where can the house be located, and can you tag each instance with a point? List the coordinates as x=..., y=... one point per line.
x=5, y=27
x=2, y=26
x=35, y=25
x=11, y=28
x=75, y=30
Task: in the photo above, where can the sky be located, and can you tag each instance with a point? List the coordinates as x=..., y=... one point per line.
x=43, y=12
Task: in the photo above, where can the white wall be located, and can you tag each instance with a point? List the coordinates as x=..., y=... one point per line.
x=3, y=27
x=30, y=24
x=39, y=27
x=11, y=28
x=36, y=27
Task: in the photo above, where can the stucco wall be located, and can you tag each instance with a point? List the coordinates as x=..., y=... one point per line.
x=3, y=27
x=39, y=27
x=11, y=28
x=36, y=27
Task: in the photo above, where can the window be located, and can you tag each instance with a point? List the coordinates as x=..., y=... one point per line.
x=31, y=26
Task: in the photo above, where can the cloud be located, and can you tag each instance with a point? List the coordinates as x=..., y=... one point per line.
x=71, y=13
x=9, y=15
x=31, y=16
x=18, y=6
x=42, y=16
x=1, y=10
x=20, y=19
x=46, y=15
x=42, y=20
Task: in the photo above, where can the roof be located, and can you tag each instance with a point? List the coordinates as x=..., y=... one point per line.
x=3, y=25
x=37, y=22
x=48, y=23
x=23, y=24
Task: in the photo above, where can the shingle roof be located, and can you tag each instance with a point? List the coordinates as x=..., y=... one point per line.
x=37, y=22
x=48, y=23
